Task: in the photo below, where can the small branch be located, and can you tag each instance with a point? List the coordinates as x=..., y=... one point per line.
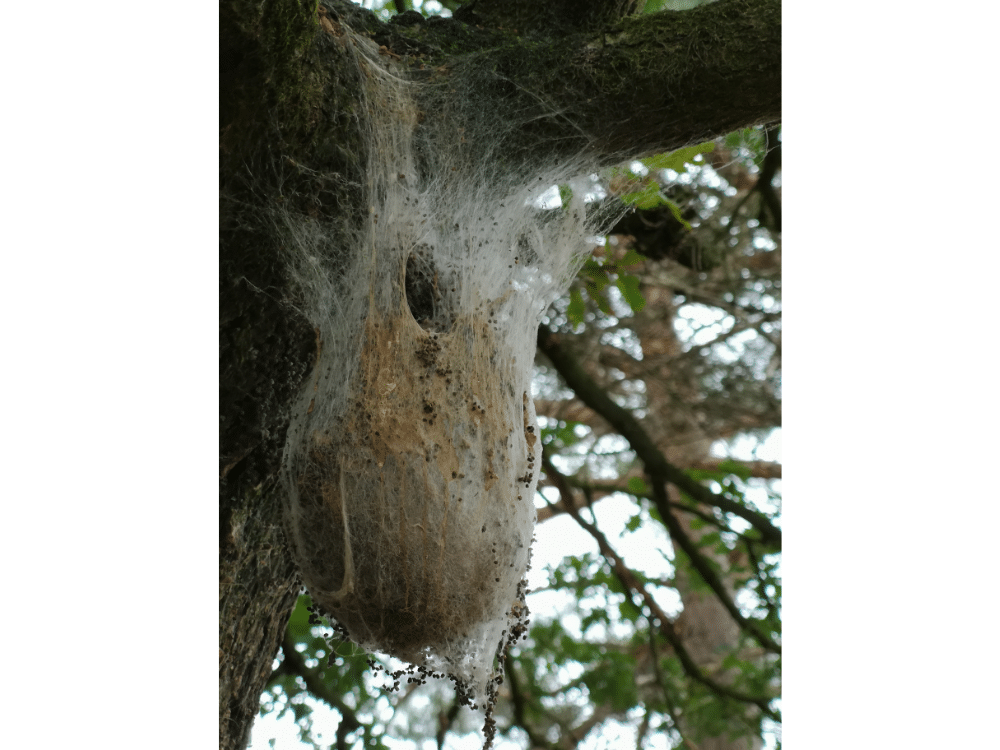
x=640, y=735
x=519, y=704
x=657, y=671
x=591, y=394
x=757, y=469
x=295, y=664
x=706, y=517
x=744, y=324
x=579, y=734
x=704, y=569
x=755, y=564
x=661, y=682
x=604, y=489
x=551, y=510
x=772, y=163
x=445, y=720
x=632, y=583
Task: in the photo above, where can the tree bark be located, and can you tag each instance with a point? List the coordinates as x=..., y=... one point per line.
x=290, y=135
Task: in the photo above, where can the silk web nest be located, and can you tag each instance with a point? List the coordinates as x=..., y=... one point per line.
x=413, y=455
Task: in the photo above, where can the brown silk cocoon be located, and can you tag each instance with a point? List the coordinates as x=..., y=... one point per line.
x=417, y=506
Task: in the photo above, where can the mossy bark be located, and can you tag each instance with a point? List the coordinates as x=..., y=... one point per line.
x=291, y=110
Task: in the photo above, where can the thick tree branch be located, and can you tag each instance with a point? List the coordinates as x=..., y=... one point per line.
x=650, y=83
x=628, y=427
x=621, y=89
x=526, y=16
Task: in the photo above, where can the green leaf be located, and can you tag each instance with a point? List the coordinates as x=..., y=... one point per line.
x=612, y=682
x=750, y=139
x=576, y=308
x=565, y=194
x=729, y=466
x=597, y=274
x=613, y=583
x=628, y=285
x=648, y=197
x=711, y=538
x=676, y=211
x=595, y=280
x=676, y=160
x=637, y=486
x=602, y=302
x=634, y=522
x=593, y=617
x=566, y=432
x=631, y=258
x=628, y=611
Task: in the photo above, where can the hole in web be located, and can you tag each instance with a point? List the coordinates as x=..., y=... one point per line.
x=424, y=295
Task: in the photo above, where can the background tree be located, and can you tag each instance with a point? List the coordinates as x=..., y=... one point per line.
x=287, y=138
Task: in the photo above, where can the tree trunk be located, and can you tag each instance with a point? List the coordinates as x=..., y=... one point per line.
x=586, y=79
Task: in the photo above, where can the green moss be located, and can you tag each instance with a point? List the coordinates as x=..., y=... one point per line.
x=268, y=65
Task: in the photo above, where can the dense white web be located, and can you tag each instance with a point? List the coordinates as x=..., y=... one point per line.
x=411, y=462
